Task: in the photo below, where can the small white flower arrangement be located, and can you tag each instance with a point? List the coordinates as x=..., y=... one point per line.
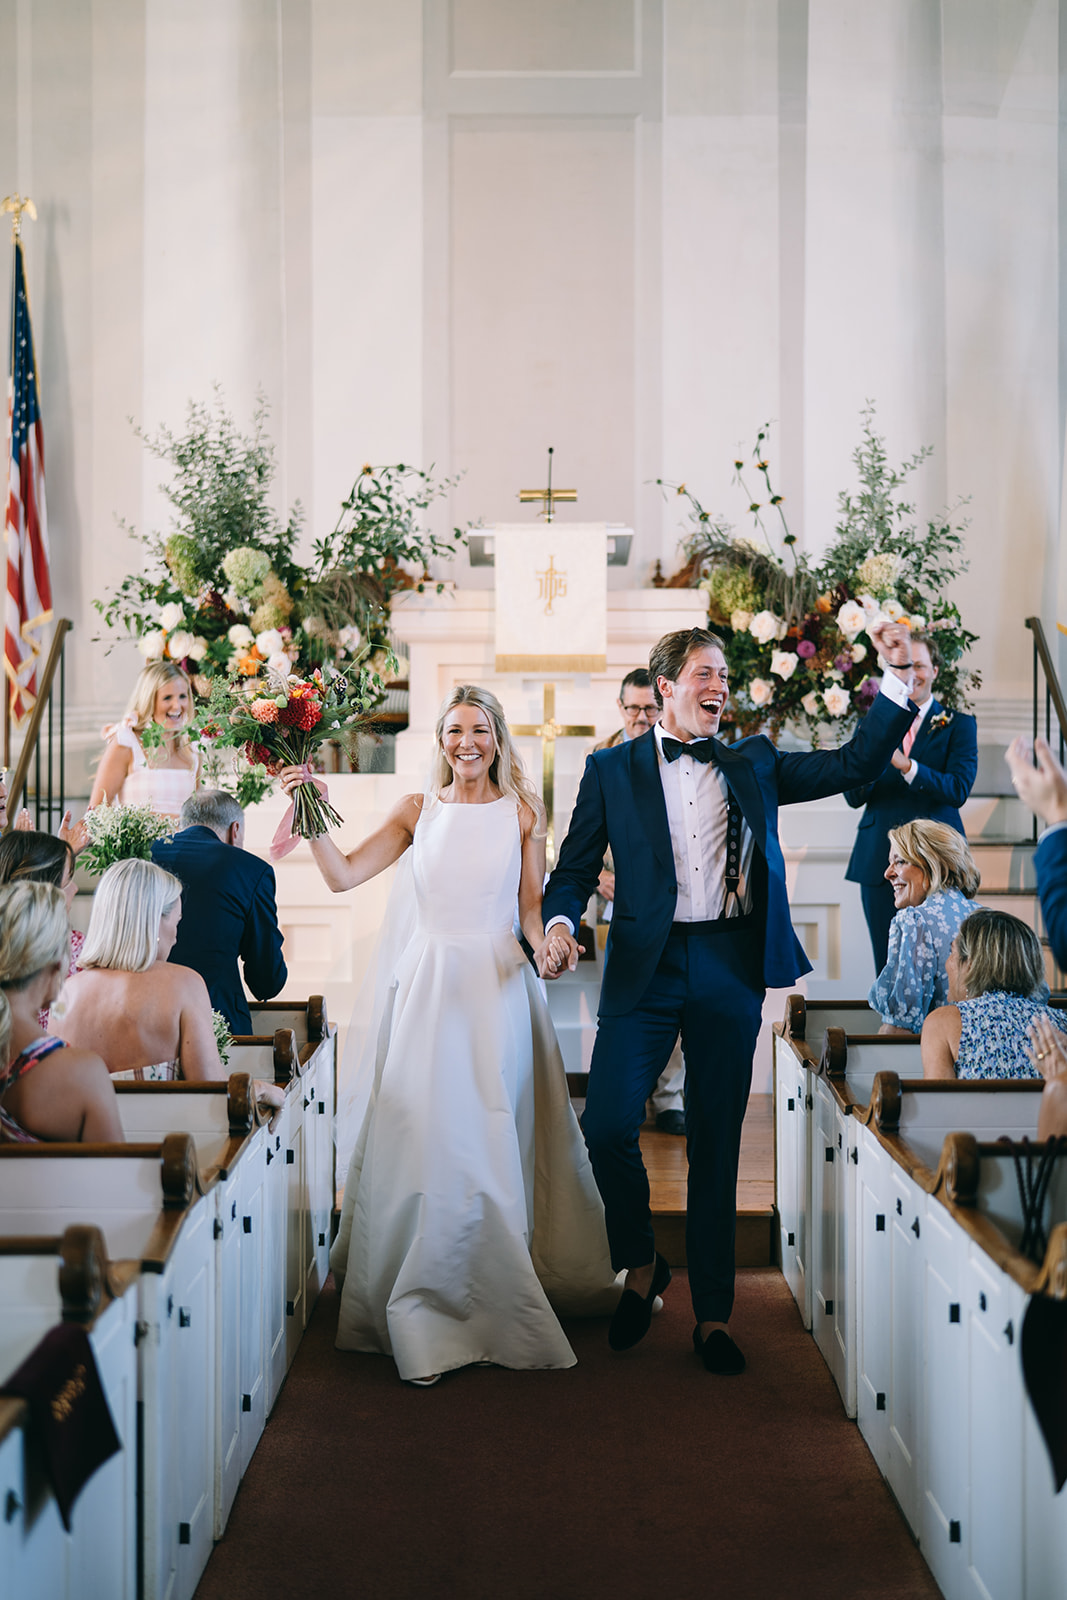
x=121, y=833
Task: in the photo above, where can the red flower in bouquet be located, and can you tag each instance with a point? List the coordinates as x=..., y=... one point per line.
x=261, y=756
x=304, y=709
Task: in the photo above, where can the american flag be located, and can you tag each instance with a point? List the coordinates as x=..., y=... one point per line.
x=29, y=584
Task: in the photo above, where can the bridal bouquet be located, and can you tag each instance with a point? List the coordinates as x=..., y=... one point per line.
x=281, y=719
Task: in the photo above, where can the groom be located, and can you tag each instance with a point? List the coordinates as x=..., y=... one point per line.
x=700, y=927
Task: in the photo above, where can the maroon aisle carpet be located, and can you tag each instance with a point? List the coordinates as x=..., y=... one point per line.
x=625, y=1477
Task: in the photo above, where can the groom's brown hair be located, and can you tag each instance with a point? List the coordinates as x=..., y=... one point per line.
x=670, y=655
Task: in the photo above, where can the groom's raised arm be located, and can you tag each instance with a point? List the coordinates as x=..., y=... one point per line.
x=812, y=775
x=581, y=856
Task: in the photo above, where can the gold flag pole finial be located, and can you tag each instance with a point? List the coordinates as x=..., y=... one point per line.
x=16, y=204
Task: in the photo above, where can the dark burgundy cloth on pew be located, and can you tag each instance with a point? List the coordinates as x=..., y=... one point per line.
x=69, y=1415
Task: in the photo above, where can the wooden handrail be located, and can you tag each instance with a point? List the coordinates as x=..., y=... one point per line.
x=29, y=743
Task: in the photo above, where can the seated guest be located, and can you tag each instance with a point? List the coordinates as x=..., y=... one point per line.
x=46, y=1091
x=148, y=1019
x=30, y=857
x=228, y=906
x=934, y=879
x=995, y=978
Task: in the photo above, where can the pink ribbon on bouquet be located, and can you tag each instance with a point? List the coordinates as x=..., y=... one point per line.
x=285, y=840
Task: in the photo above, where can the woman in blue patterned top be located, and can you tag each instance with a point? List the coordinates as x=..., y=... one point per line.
x=996, y=992
x=934, y=879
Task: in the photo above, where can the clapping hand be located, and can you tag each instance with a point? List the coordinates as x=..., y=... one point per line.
x=557, y=952
x=75, y=834
x=1047, y=1049
x=1043, y=788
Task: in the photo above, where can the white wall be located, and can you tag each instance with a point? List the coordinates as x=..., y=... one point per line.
x=459, y=231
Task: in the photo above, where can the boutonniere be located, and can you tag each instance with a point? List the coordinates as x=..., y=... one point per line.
x=942, y=719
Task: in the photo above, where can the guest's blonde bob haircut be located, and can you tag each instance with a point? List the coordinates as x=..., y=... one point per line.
x=34, y=932
x=506, y=772
x=939, y=852
x=123, y=931
x=999, y=951
x=156, y=676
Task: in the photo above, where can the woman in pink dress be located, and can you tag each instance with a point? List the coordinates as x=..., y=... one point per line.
x=162, y=777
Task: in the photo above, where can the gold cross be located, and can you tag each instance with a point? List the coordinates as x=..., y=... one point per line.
x=549, y=496
x=548, y=731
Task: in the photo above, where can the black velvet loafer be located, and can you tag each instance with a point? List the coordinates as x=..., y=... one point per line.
x=670, y=1122
x=633, y=1314
x=719, y=1353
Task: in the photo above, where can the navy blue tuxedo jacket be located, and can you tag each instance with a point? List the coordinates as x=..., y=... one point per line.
x=228, y=911
x=1051, y=864
x=947, y=759
x=620, y=805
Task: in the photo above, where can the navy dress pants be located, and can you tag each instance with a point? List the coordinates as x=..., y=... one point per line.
x=879, y=910
x=708, y=987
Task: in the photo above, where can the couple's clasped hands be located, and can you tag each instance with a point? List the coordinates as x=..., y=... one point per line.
x=557, y=953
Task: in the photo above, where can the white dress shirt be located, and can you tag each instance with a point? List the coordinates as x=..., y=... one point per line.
x=695, y=794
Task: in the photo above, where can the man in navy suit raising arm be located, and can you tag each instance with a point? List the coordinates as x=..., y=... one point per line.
x=1043, y=787
x=930, y=776
x=700, y=928
x=228, y=906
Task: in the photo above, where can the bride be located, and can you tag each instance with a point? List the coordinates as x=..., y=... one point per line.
x=470, y=1215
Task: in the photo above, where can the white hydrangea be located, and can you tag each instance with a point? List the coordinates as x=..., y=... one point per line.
x=740, y=621
x=765, y=626
x=851, y=619
x=180, y=644
x=240, y=636
x=836, y=700
x=269, y=642
x=171, y=616
x=812, y=704
x=153, y=645
x=783, y=663
x=760, y=692
x=198, y=649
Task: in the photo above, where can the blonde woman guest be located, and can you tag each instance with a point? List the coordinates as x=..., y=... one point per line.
x=47, y=1092
x=934, y=880
x=470, y=1214
x=162, y=777
x=148, y=1018
x=996, y=978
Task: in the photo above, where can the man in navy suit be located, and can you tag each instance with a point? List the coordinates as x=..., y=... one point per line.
x=930, y=776
x=700, y=928
x=228, y=906
x=1041, y=784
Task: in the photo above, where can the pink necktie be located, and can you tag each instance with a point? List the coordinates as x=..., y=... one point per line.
x=909, y=737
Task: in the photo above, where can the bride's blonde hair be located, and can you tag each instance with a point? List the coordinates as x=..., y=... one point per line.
x=506, y=772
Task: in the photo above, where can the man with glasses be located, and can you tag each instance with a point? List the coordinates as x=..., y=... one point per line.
x=640, y=711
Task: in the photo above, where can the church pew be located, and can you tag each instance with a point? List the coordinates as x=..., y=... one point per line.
x=151, y=1203
x=308, y=1019
x=43, y=1281
x=230, y=1133
x=806, y=1021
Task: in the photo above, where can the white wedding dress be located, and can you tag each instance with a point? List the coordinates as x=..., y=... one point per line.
x=470, y=1214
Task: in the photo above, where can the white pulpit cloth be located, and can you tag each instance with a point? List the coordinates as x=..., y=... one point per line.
x=551, y=597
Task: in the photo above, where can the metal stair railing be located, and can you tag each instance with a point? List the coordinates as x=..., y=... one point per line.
x=1054, y=700
x=41, y=747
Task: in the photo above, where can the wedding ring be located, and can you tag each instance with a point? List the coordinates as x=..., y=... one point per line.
x=1041, y=1054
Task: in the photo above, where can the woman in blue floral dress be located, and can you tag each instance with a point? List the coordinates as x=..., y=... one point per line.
x=934, y=880
x=996, y=993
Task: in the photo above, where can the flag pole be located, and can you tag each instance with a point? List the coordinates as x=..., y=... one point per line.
x=15, y=204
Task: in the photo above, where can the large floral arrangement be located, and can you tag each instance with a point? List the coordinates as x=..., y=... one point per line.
x=224, y=591
x=796, y=633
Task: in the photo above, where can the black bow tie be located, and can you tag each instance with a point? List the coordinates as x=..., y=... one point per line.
x=699, y=749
